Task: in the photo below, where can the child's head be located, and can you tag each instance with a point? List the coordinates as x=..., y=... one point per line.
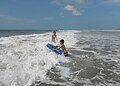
x=61, y=41
x=54, y=32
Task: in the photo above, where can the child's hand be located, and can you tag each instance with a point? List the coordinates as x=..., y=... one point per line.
x=54, y=50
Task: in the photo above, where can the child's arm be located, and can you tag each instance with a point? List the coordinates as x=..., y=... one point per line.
x=57, y=48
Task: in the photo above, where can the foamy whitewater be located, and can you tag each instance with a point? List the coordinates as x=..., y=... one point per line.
x=94, y=59
x=25, y=59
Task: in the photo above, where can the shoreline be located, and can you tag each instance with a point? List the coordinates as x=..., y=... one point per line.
x=104, y=30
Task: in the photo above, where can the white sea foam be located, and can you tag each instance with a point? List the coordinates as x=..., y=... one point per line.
x=25, y=58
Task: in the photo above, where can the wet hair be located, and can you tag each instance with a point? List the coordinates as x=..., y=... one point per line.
x=54, y=31
x=62, y=40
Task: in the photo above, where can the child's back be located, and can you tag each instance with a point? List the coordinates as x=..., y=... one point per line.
x=62, y=46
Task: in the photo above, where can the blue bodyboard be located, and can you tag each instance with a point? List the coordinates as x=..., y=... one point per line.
x=52, y=47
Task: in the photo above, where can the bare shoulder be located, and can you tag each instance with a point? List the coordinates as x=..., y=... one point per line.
x=60, y=46
x=64, y=46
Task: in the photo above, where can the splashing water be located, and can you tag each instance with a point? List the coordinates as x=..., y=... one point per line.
x=25, y=59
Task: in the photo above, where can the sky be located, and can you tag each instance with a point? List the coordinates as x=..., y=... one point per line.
x=59, y=14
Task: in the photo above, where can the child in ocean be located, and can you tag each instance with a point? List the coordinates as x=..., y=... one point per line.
x=62, y=46
x=54, y=37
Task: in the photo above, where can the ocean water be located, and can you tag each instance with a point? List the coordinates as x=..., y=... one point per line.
x=94, y=59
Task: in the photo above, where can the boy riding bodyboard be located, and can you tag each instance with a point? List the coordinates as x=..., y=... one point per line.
x=62, y=47
x=58, y=49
